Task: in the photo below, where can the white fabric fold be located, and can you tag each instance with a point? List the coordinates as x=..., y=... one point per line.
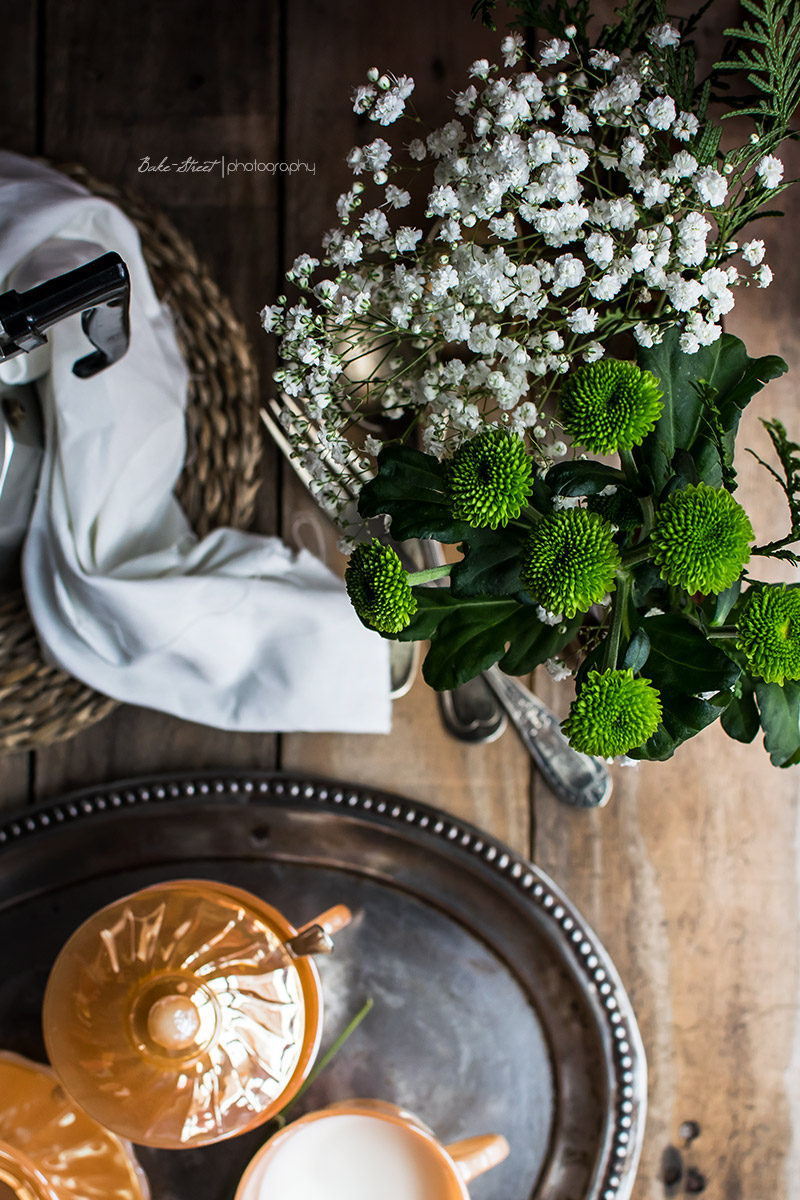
x=234, y=631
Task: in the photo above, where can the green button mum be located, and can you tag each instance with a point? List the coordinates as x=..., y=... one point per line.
x=769, y=633
x=378, y=587
x=489, y=479
x=569, y=561
x=610, y=405
x=612, y=714
x=701, y=539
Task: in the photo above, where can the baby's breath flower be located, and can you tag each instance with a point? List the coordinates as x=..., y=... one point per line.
x=770, y=170
x=613, y=713
x=553, y=51
x=489, y=479
x=378, y=587
x=701, y=538
x=769, y=632
x=610, y=405
x=569, y=561
x=663, y=36
x=753, y=252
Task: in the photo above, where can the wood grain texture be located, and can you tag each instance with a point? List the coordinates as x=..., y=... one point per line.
x=171, y=82
x=490, y=785
x=19, y=102
x=691, y=876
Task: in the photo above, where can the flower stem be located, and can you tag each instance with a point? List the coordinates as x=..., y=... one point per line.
x=722, y=631
x=334, y=1050
x=619, y=604
x=431, y=573
x=637, y=554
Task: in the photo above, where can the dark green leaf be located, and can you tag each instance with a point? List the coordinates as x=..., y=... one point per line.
x=682, y=661
x=724, y=366
x=490, y=565
x=720, y=606
x=637, y=652
x=780, y=720
x=582, y=477
x=409, y=488
x=534, y=643
x=475, y=633
x=683, y=717
x=740, y=719
x=433, y=605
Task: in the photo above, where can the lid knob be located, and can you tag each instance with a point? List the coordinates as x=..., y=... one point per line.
x=173, y=1022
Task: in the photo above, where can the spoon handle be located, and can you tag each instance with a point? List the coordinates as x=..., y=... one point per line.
x=573, y=778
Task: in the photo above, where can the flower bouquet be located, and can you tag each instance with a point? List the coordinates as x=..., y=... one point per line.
x=538, y=359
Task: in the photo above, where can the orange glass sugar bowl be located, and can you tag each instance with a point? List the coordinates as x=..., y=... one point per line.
x=187, y=1012
x=50, y=1149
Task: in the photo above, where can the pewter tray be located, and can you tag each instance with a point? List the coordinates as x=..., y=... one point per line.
x=495, y=1008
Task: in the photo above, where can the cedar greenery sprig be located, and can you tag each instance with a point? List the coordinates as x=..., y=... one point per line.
x=789, y=456
x=768, y=52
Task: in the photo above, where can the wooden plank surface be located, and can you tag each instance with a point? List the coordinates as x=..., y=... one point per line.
x=173, y=81
x=691, y=876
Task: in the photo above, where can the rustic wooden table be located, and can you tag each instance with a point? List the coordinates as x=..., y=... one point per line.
x=690, y=876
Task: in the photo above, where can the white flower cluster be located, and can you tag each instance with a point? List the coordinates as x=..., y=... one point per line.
x=559, y=209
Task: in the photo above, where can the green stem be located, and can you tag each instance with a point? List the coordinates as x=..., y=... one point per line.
x=722, y=631
x=628, y=466
x=334, y=1050
x=619, y=604
x=637, y=554
x=631, y=474
x=431, y=573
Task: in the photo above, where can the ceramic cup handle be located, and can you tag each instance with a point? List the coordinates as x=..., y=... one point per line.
x=332, y=920
x=475, y=1155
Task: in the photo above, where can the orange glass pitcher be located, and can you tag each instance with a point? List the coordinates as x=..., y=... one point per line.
x=186, y=1013
x=50, y=1149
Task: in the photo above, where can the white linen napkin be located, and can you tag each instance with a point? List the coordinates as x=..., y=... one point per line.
x=233, y=631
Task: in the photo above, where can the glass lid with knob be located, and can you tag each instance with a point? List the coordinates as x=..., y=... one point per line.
x=187, y=1012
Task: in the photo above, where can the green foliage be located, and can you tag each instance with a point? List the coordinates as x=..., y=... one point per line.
x=740, y=719
x=490, y=566
x=787, y=453
x=780, y=719
x=724, y=368
x=582, y=477
x=767, y=50
x=467, y=635
x=683, y=665
x=410, y=488
x=633, y=21
x=484, y=9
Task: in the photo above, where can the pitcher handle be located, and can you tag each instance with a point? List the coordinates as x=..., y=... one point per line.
x=475, y=1155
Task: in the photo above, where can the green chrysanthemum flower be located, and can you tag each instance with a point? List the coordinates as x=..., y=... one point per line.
x=378, y=587
x=569, y=561
x=610, y=405
x=701, y=537
x=769, y=632
x=489, y=479
x=612, y=714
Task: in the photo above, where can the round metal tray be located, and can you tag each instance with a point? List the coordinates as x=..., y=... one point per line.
x=496, y=1009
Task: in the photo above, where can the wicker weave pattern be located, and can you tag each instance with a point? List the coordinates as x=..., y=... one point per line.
x=39, y=704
